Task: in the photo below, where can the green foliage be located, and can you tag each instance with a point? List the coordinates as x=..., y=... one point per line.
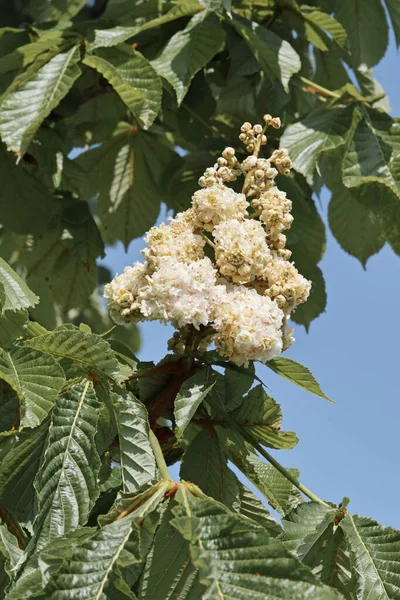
x=150, y=93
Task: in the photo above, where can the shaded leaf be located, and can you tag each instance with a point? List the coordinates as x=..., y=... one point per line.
x=36, y=379
x=205, y=465
x=169, y=573
x=354, y=225
x=367, y=30
x=132, y=77
x=14, y=293
x=188, y=51
x=18, y=470
x=276, y=56
x=393, y=8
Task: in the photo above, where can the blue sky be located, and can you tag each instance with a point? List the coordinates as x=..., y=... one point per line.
x=350, y=448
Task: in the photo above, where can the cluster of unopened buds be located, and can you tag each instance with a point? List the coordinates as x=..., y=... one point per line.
x=241, y=295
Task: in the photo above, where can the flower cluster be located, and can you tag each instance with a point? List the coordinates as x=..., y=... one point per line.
x=240, y=296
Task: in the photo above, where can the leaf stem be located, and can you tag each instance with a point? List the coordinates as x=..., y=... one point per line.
x=253, y=441
x=159, y=456
x=319, y=88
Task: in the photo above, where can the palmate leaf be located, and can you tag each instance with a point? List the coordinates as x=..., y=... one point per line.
x=83, y=353
x=375, y=557
x=132, y=77
x=169, y=573
x=17, y=473
x=367, y=30
x=321, y=131
x=310, y=533
x=252, y=508
x=188, y=400
x=188, y=51
x=125, y=177
x=26, y=106
x=10, y=550
x=239, y=559
x=277, y=58
x=354, y=225
x=373, y=153
x=138, y=466
x=262, y=416
x=297, y=374
x=205, y=465
x=66, y=482
x=12, y=325
x=37, y=380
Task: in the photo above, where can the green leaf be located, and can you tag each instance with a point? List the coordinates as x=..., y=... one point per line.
x=14, y=293
x=311, y=533
x=132, y=77
x=353, y=224
x=298, y=374
x=28, y=585
x=36, y=379
x=125, y=178
x=10, y=550
x=321, y=131
x=188, y=400
x=252, y=508
x=373, y=153
x=138, y=466
x=12, y=325
x=169, y=573
x=281, y=494
x=88, y=571
x=18, y=470
x=262, y=416
x=54, y=10
x=393, y=8
x=367, y=30
x=326, y=22
x=205, y=465
x=239, y=559
x=116, y=35
x=375, y=557
x=67, y=478
x=26, y=106
x=316, y=302
x=89, y=353
x=276, y=56
x=188, y=51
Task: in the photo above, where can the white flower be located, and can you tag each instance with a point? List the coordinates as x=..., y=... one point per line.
x=285, y=281
x=180, y=293
x=214, y=204
x=275, y=210
x=122, y=292
x=241, y=252
x=248, y=325
x=176, y=239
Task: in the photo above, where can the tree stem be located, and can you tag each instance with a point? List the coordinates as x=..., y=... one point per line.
x=159, y=456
